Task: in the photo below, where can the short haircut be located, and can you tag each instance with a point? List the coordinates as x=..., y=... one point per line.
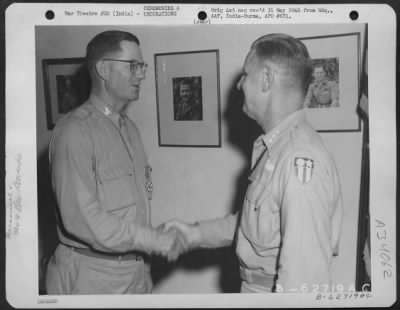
x=285, y=50
x=104, y=43
x=186, y=82
x=319, y=65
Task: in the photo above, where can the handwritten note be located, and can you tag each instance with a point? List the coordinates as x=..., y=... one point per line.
x=14, y=199
x=385, y=256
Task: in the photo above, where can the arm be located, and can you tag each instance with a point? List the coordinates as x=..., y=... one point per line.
x=307, y=100
x=306, y=208
x=334, y=94
x=214, y=233
x=218, y=232
x=83, y=218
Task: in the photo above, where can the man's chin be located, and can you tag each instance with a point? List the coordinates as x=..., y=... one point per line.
x=134, y=97
x=246, y=111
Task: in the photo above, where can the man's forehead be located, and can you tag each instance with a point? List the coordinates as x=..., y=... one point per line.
x=130, y=49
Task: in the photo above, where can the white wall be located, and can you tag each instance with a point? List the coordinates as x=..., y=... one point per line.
x=201, y=183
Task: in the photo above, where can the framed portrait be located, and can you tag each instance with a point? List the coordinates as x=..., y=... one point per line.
x=333, y=94
x=66, y=84
x=188, y=99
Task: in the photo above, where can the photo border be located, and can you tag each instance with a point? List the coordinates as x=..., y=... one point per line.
x=315, y=114
x=168, y=131
x=51, y=111
x=382, y=149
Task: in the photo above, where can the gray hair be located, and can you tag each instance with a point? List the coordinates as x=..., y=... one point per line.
x=284, y=50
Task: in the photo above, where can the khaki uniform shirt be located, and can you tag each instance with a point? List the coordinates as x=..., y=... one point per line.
x=322, y=94
x=291, y=218
x=99, y=177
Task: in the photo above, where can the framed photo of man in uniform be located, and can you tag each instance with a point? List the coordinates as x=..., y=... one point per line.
x=333, y=94
x=188, y=105
x=66, y=85
x=188, y=100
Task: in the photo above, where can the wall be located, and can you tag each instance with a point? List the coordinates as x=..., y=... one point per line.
x=201, y=183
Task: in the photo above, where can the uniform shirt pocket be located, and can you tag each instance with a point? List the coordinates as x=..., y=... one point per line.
x=260, y=217
x=117, y=187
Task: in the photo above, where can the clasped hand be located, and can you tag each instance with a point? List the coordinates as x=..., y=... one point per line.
x=178, y=237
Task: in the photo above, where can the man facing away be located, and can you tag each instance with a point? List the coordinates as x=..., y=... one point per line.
x=102, y=182
x=288, y=230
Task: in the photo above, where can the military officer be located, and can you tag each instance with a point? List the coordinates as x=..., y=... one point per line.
x=188, y=108
x=322, y=93
x=102, y=182
x=288, y=230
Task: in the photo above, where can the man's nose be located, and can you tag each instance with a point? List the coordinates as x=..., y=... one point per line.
x=239, y=83
x=140, y=74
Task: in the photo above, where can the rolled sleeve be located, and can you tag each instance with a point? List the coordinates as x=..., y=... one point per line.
x=305, y=255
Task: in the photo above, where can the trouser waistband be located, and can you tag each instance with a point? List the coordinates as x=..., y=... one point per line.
x=108, y=256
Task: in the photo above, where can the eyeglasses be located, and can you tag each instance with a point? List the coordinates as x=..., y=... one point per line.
x=134, y=65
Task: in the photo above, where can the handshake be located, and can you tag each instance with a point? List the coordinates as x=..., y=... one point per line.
x=175, y=238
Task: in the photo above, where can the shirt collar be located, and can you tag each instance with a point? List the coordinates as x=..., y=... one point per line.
x=105, y=109
x=265, y=143
x=293, y=119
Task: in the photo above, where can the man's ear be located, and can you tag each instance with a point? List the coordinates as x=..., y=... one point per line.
x=267, y=78
x=102, y=69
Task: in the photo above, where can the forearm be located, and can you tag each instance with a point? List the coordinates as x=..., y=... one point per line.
x=107, y=232
x=218, y=232
x=120, y=234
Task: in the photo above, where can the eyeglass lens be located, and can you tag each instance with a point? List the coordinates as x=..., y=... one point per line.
x=135, y=66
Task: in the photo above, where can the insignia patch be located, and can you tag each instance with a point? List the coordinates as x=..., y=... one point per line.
x=303, y=169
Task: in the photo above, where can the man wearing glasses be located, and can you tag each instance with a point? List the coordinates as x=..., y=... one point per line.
x=102, y=182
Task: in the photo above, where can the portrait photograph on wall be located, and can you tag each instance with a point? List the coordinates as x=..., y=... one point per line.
x=188, y=101
x=188, y=105
x=67, y=97
x=323, y=91
x=66, y=85
x=333, y=95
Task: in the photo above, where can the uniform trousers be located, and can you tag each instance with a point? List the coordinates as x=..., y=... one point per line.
x=254, y=288
x=71, y=273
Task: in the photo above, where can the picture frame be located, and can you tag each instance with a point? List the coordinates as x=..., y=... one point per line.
x=66, y=86
x=333, y=94
x=188, y=98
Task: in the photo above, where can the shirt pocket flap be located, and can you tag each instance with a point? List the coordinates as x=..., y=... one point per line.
x=117, y=187
x=115, y=173
x=257, y=192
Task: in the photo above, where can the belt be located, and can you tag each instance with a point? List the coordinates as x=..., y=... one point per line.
x=109, y=256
